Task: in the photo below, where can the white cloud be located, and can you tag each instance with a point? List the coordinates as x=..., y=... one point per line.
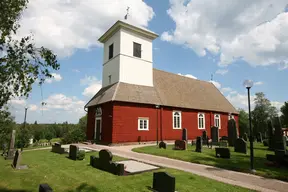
x=33, y=107
x=188, y=75
x=252, y=31
x=258, y=83
x=94, y=85
x=58, y=108
x=226, y=89
x=217, y=84
x=55, y=77
x=240, y=100
x=76, y=70
x=277, y=104
x=64, y=26
x=222, y=71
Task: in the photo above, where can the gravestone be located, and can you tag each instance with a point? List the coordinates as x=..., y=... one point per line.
x=259, y=137
x=104, y=162
x=56, y=148
x=215, y=134
x=222, y=152
x=199, y=145
x=240, y=146
x=162, y=144
x=73, y=151
x=245, y=137
x=163, y=182
x=204, y=137
x=45, y=188
x=184, y=134
x=180, y=145
x=11, y=151
x=16, y=160
x=232, y=132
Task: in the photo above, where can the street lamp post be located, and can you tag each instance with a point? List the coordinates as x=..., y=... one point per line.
x=248, y=84
x=25, y=116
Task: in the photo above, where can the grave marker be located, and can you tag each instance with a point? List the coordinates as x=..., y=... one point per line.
x=232, y=132
x=163, y=182
x=199, y=145
x=184, y=134
x=180, y=145
x=73, y=151
x=104, y=162
x=222, y=152
x=214, y=134
x=11, y=151
x=162, y=144
x=240, y=146
x=45, y=188
x=16, y=160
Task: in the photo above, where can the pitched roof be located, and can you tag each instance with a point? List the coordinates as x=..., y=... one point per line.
x=169, y=90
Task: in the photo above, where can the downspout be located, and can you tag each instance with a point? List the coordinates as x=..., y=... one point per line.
x=161, y=123
x=157, y=124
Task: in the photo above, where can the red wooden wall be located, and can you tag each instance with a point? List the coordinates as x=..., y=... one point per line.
x=125, y=123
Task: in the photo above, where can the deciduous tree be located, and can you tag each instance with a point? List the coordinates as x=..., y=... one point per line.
x=284, y=116
x=21, y=62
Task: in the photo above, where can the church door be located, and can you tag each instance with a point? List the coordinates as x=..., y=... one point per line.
x=97, y=134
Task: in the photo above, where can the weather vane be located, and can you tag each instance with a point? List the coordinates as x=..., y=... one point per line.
x=126, y=16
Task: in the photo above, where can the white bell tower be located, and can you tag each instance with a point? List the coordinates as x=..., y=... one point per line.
x=128, y=53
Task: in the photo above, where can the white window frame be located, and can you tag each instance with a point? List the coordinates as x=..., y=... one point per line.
x=230, y=117
x=219, y=118
x=180, y=120
x=139, y=124
x=198, y=118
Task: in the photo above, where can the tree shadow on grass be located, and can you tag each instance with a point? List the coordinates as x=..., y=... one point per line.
x=242, y=164
x=84, y=187
x=13, y=190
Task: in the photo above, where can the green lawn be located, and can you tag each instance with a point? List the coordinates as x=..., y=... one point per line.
x=237, y=162
x=66, y=175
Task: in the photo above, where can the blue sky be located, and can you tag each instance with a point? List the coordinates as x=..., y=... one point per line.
x=233, y=41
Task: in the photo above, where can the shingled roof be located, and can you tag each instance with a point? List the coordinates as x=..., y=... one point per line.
x=169, y=90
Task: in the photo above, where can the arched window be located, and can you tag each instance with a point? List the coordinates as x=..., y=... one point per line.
x=217, y=121
x=201, y=121
x=176, y=120
x=98, y=112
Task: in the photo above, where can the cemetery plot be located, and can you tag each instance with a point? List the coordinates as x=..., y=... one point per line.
x=126, y=167
x=62, y=174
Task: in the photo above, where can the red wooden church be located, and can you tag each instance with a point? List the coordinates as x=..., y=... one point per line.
x=140, y=103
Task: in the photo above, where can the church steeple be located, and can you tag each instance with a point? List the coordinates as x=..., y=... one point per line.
x=128, y=53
